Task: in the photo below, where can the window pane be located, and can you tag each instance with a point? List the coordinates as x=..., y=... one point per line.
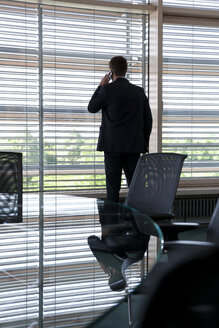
x=140, y=2
x=77, y=50
x=19, y=86
x=191, y=98
x=207, y=4
x=51, y=61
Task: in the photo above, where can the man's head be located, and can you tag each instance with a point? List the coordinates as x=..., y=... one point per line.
x=118, y=66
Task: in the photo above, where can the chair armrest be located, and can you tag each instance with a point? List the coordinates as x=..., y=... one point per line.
x=186, y=244
x=171, y=230
x=161, y=216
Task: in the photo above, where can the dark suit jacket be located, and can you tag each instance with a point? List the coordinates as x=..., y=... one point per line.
x=126, y=117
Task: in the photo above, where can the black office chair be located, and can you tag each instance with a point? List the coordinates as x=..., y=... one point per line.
x=183, y=237
x=154, y=184
x=10, y=187
x=213, y=227
x=185, y=293
x=153, y=189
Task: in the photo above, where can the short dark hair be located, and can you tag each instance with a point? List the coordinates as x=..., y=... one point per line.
x=118, y=65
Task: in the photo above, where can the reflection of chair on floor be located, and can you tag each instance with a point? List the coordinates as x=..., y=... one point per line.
x=115, y=254
x=10, y=187
x=121, y=243
x=154, y=185
x=185, y=291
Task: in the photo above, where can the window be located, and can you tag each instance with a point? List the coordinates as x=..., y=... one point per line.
x=19, y=85
x=140, y=2
x=190, y=96
x=207, y=4
x=52, y=59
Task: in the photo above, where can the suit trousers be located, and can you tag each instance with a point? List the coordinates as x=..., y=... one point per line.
x=114, y=164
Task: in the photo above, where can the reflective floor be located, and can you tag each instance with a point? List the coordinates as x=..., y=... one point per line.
x=49, y=277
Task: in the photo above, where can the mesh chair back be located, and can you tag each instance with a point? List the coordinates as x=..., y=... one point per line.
x=154, y=184
x=11, y=186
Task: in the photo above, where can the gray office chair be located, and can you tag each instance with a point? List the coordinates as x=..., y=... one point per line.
x=197, y=234
x=10, y=187
x=154, y=184
x=213, y=227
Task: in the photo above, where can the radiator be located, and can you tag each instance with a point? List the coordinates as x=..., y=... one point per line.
x=198, y=207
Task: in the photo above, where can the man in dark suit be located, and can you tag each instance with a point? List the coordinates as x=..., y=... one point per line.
x=126, y=124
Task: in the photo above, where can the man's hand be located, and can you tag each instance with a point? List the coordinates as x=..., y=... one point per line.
x=105, y=80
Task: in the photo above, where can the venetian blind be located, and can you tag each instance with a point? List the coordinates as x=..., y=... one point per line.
x=207, y=4
x=19, y=85
x=140, y=2
x=51, y=61
x=190, y=97
x=77, y=46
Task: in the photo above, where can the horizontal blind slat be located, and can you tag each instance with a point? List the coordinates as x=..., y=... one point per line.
x=190, y=93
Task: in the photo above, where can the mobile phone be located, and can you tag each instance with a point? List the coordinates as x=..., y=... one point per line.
x=110, y=75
